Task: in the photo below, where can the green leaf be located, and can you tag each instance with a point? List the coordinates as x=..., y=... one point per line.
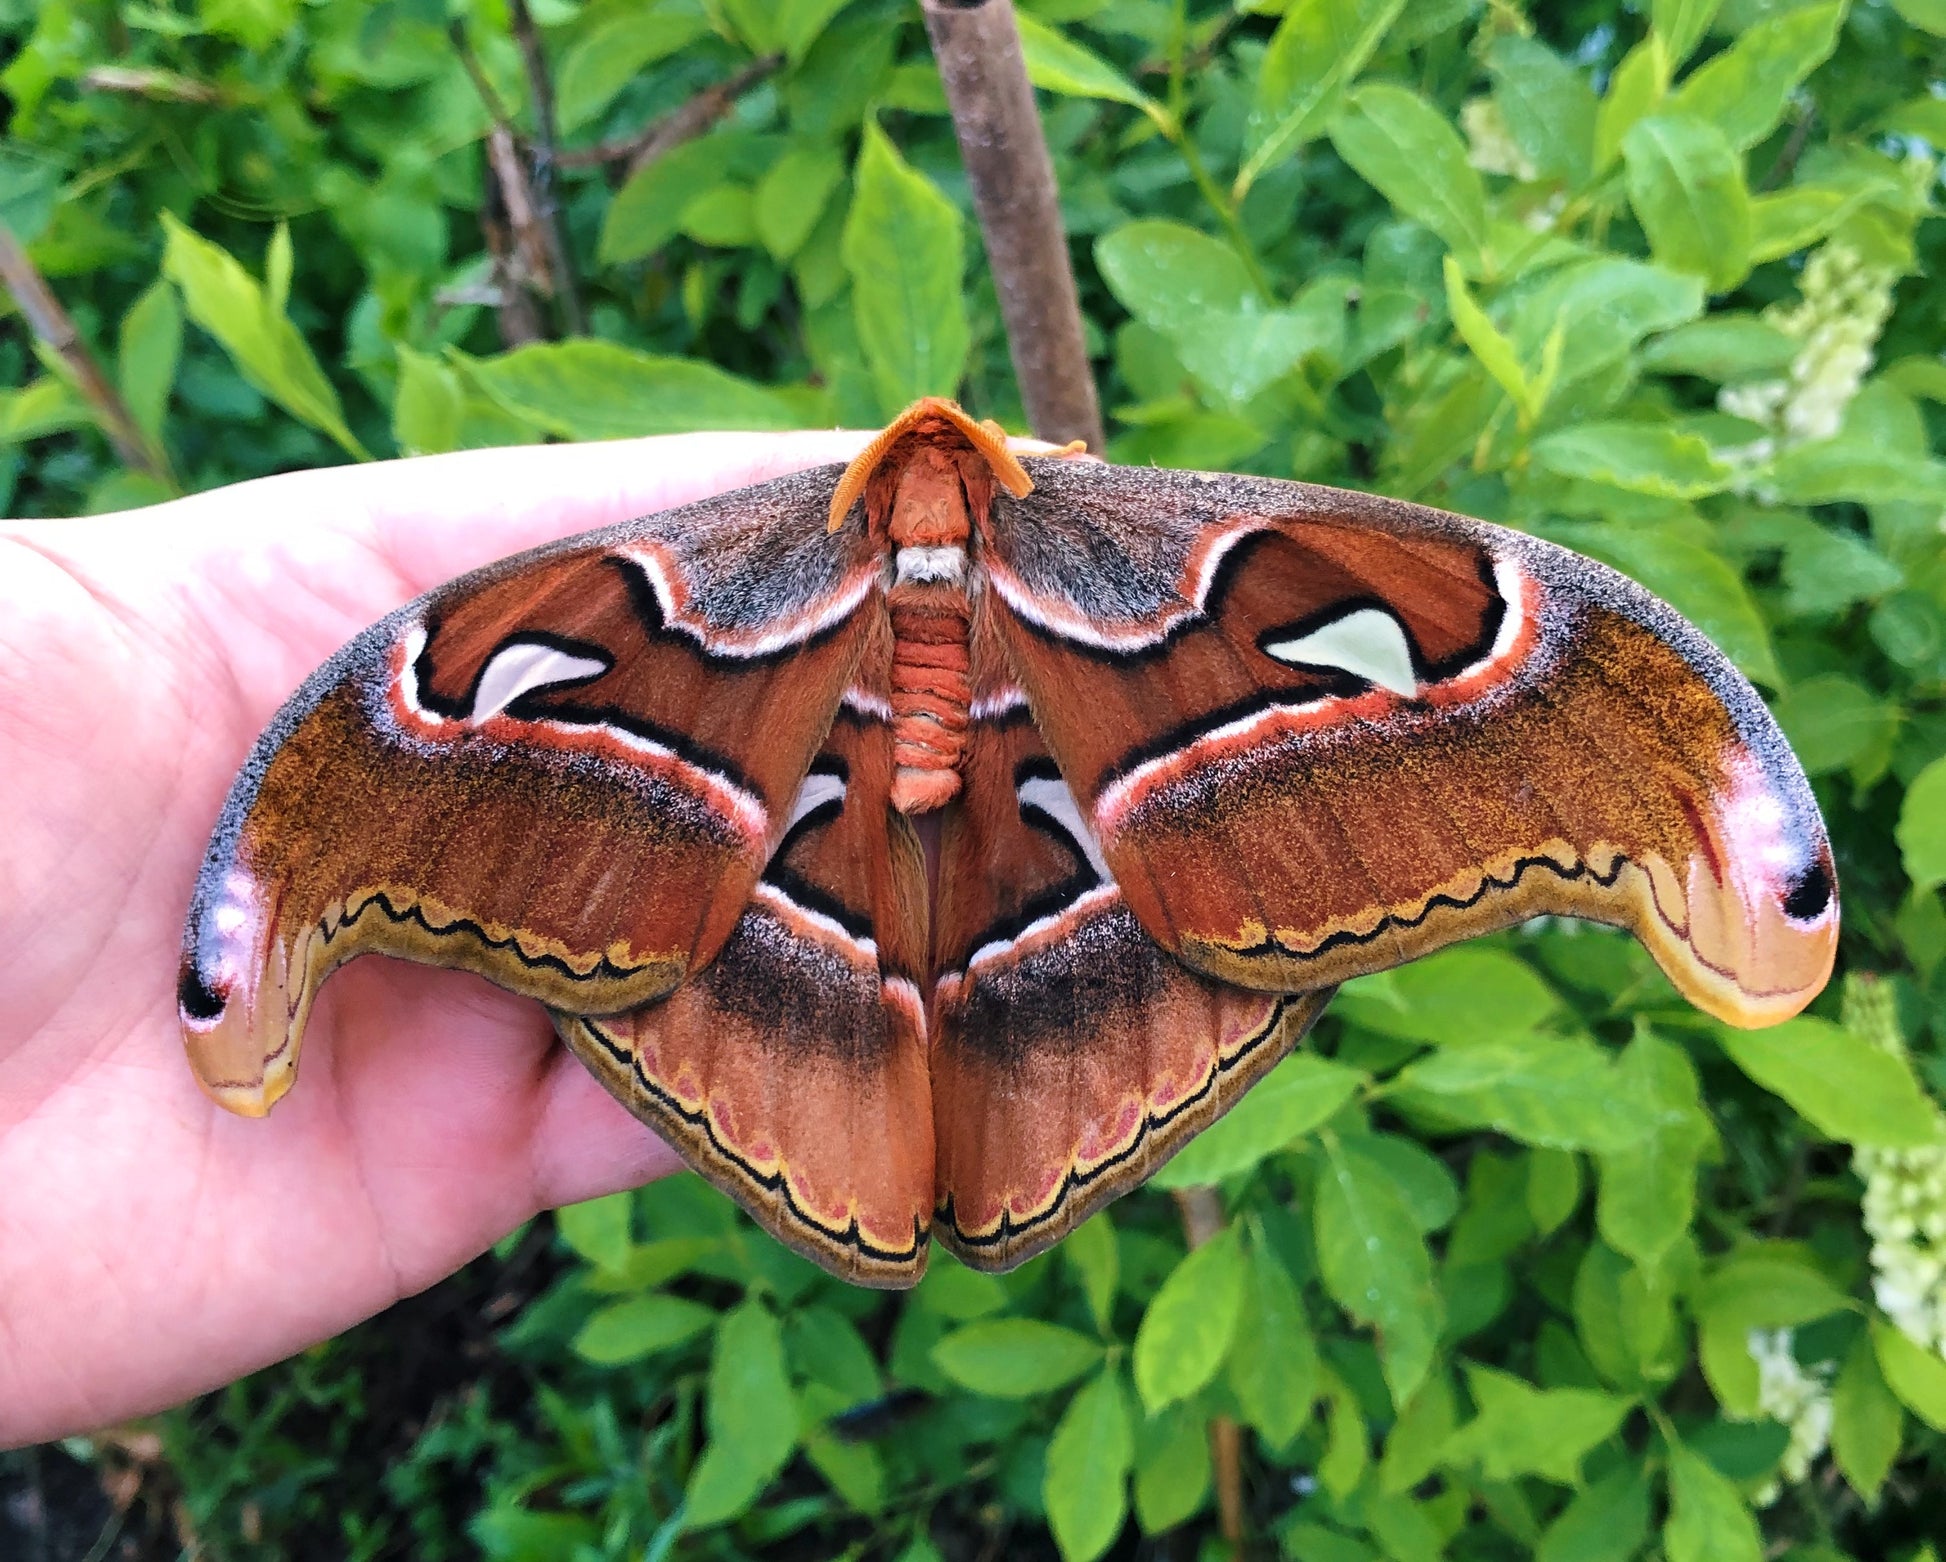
x=1648, y=1185
x=1545, y=1090
x=1415, y=1446
x=243, y=316
x=647, y=211
x=1832, y=720
x=1708, y=1521
x=589, y=389
x=1197, y=293
x=426, y=409
x=1724, y=347
x=629, y=1330
x=1744, y=90
x=1406, y=149
x=1681, y=24
x=48, y=405
x=1881, y=1102
x=1273, y=1367
x=1644, y=458
x=751, y=1416
x=1319, y=48
x=1095, y=1256
x=1866, y=1421
x=724, y=217
x=1523, y=1430
x=1421, y=1179
x=1495, y=352
x=1915, y=1374
x=612, y=53
x=1686, y=185
x=1602, y=307
x=1347, y=1450
x=1374, y=1262
x=1922, y=827
x=1766, y=1287
x=150, y=347
x=598, y=1229
x=792, y=196
x=1858, y=470
x=1548, y=105
x=1188, y=1327
x=1454, y=998
x=1172, y=1469
x=1607, y=1521
x=800, y=23
x=1088, y=1459
x=904, y=250
x=1296, y=1096
x=1635, y=90
x=1015, y=1358
x=1055, y=63
x=1794, y=219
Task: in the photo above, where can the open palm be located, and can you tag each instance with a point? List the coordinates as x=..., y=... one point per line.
x=151, y=1245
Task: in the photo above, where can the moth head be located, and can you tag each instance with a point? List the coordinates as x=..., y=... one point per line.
x=935, y=422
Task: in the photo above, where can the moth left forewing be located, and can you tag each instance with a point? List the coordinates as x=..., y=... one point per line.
x=494, y=776
x=1319, y=734
x=1071, y=1055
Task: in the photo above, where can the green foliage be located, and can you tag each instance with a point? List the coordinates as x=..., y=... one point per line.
x=1503, y=1244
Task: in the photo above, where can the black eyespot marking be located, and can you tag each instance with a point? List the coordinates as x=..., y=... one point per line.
x=194, y=997
x=1809, y=895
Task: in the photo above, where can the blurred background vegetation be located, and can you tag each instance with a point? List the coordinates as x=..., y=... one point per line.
x=1522, y=1257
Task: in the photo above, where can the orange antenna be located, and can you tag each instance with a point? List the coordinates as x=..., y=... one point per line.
x=988, y=438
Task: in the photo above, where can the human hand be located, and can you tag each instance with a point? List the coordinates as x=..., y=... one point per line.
x=151, y=1245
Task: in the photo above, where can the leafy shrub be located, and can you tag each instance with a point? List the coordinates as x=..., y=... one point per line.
x=1523, y=1256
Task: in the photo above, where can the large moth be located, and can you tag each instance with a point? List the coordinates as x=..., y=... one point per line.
x=930, y=846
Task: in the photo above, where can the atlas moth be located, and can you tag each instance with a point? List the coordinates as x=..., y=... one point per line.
x=930, y=846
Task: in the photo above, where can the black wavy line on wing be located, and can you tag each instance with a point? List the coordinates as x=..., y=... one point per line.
x=771, y=1182
x=1391, y=921
x=1075, y=1180
x=603, y=967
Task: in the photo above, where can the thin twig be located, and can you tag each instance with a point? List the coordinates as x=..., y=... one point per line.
x=541, y=92
x=1792, y=150
x=531, y=265
x=1012, y=178
x=1201, y=1209
x=685, y=122
x=53, y=325
x=514, y=309
x=163, y=86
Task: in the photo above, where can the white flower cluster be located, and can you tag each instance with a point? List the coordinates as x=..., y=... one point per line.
x=1490, y=145
x=1904, y=1206
x=1842, y=308
x=1797, y=1397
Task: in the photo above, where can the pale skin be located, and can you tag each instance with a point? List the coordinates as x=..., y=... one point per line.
x=151, y=1245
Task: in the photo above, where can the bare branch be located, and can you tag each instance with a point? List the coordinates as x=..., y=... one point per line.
x=977, y=44
x=164, y=86
x=1201, y=1209
x=514, y=309
x=541, y=91
x=684, y=123
x=53, y=326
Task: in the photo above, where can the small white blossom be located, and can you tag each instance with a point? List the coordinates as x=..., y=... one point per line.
x=1843, y=305
x=1798, y=1398
x=1491, y=147
x=1904, y=1207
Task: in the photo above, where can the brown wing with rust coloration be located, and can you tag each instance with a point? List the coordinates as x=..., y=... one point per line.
x=1319, y=734
x=564, y=772
x=1071, y=1055
x=792, y=1071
